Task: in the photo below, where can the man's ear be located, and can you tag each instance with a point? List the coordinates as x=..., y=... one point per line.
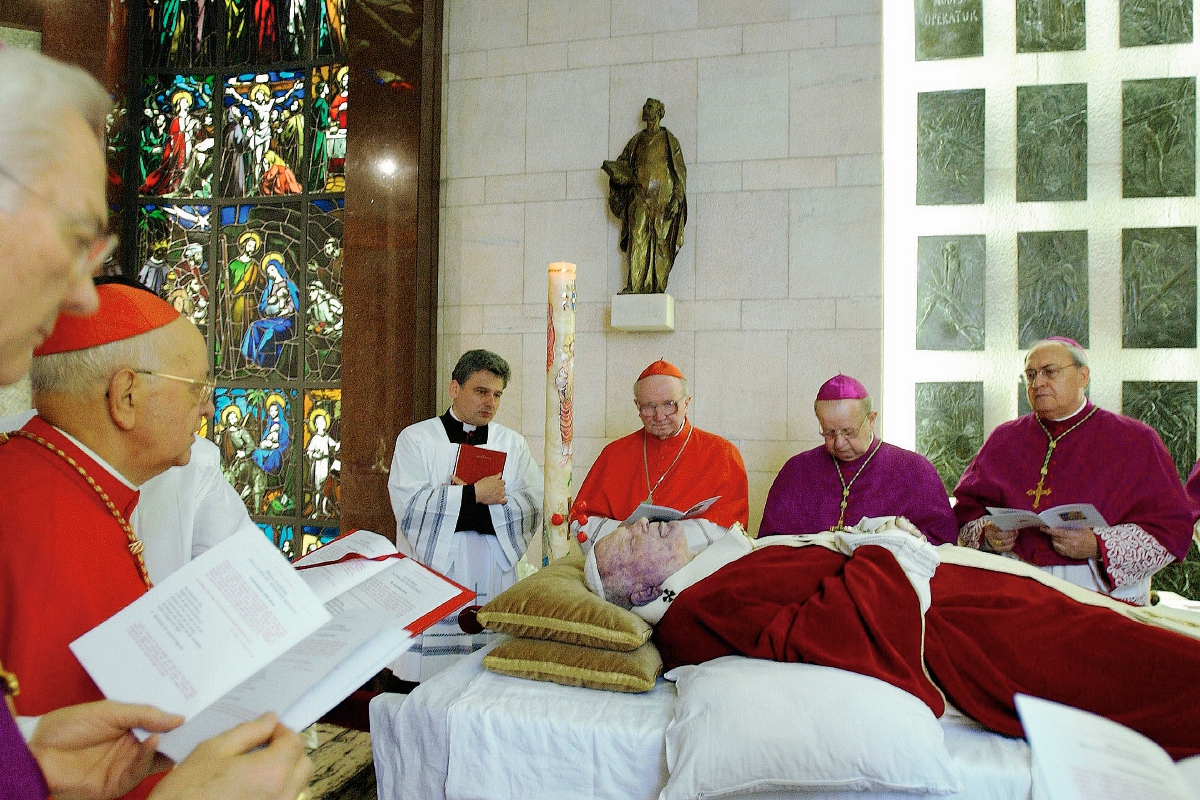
x=123, y=406
x=644, y=594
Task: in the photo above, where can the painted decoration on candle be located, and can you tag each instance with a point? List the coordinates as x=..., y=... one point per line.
x=560, y=399
x=262, y=149
x=173, y=254
x=322, y=448
x=253, y=428
x=258, y=301
x=323, y=347
x=177, y=137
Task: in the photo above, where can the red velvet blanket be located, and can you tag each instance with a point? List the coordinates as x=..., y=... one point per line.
x=987, y=636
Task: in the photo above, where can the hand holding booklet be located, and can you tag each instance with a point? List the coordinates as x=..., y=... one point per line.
x=666, y=513
x=1072, y=516
x=239, y=631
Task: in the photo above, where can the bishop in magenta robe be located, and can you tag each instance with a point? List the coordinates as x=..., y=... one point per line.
x=670, y=461
x=877, y=478
x=1117, y=464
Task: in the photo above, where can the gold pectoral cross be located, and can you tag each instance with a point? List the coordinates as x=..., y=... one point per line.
x=1038, y=493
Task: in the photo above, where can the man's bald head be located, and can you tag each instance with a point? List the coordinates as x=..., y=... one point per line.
x=634, y=560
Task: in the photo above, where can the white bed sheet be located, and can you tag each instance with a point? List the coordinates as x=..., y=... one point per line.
x=470, y=734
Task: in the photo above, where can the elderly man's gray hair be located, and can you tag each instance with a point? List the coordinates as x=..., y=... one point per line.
x=1077, y=355
x=35, y=92
x=79, y=371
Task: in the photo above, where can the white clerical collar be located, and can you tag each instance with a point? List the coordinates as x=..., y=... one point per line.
x=1073, y=413
x=92, y=455
x=728, y=548
x=467, y=427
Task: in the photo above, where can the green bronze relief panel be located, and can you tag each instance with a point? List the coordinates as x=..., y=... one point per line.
x=949, y=29
x=1158, y=138
x=1052, y=286
x=1158, y=287
x=949, y=426
x=950, y=300
x=1045, y=26
x=1145, y=22
x=1052, y=142
x=950, y=147
x=1170, y=408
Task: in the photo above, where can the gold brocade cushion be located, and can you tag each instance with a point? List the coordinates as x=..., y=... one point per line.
x=575, y=665
x=554, y=603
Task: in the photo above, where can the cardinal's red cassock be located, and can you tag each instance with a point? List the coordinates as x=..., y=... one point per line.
x=985, y=636
x=707, y=466
x=1116, y=463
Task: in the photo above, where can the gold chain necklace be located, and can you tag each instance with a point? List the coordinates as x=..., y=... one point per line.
x=1038, y=493
x=837, y=467
x=135, y=544
x=646, y=462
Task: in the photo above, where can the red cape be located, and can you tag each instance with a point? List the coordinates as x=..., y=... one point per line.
x=708, y=466
x=1116, y=463
x=65, y=567
x=987, y=636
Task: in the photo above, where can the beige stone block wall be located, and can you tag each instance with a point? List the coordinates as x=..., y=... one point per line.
x=777, y=107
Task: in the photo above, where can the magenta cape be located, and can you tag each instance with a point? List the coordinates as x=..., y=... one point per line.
x=20, y=778
x=987, y=636
x=807, y=493
x=1115, y=463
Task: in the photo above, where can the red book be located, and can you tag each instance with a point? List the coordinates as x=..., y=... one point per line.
x=476, y=463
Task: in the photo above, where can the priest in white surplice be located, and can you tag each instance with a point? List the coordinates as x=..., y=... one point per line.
x=473, y=534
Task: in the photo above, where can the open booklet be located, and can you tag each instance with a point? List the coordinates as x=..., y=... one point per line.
x=239, y=631
x=1078, y=755
x=666, y=514
x=1072, y=515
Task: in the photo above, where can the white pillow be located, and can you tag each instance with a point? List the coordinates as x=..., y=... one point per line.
x=747, y=725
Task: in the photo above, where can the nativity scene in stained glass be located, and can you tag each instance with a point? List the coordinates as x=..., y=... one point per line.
x=258, y=301
x=323, y=352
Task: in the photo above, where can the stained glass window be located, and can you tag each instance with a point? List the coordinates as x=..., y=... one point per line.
x=229, y=159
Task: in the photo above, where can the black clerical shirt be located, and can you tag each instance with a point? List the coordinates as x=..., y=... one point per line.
x=472, y=515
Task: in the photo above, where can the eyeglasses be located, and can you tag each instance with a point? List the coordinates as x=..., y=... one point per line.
x=845, y=433
x=651, y=409
x=207, y=386
x=96, y=246
x=1051, y=372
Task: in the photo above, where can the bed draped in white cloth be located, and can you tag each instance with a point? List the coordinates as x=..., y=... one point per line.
x=419, y=484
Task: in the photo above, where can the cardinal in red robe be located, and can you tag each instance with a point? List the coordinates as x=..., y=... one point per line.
x=69, y=558
x=670, y=462
x=1066, y=451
